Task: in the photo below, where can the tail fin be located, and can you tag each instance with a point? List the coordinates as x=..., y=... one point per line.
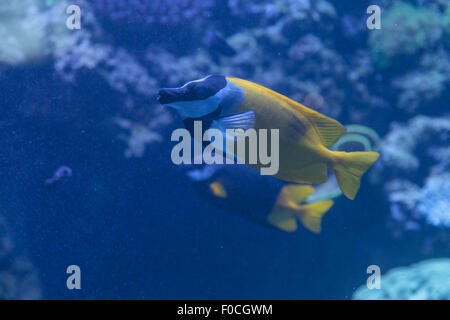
x=311, y=214
x=283, y=213
x=349, y=168
x=288, y=207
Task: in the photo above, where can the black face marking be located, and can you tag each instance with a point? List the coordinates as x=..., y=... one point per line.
x=206, y=120
x=193, y=90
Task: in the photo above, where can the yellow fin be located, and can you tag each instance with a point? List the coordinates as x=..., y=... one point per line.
x=288, y=202
x=311, y=214
x=283, y=219
x=349, y=168
x=293, y=194
x=218, y=190
x=329, y=130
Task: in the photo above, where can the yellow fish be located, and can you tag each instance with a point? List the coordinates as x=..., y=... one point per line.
x=304, y=134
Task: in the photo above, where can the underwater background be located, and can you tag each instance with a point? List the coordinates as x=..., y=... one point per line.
x=85, y=171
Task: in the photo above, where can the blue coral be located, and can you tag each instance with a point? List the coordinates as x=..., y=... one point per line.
x=151, y=12
x=426, y=280
x=18, y=276
x=406, y=29
x=434, y=201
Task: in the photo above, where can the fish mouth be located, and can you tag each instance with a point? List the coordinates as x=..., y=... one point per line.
x=168, y=95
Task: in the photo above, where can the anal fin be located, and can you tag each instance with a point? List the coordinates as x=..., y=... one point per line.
x=283, y=219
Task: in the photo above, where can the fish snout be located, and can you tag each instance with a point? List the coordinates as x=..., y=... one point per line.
x=167, y=95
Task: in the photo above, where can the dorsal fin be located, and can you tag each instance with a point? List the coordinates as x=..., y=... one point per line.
x=329, y=129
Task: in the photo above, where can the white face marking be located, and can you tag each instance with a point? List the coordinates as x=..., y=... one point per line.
x=230, y=98
x=196, y=108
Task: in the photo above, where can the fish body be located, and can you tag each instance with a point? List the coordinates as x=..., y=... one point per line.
x=304, y=134
x=271, y=201
x=268, y=201
x=300, y=145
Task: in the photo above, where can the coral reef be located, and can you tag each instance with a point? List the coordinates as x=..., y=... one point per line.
x=28, y=29
x=426, y=86
x=299, y=66
x=401, y=146
x=152, y=12
x=415, y=164
x=406, y=29
x=18, y=278
x=78, y=56
x=434, y=200
x=139, y=136
x=426, y=280
x=415, y=35
x=312, y=51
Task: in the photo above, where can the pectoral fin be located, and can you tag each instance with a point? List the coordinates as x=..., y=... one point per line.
x=244, y=121
x=283, y=219
x=218, y=189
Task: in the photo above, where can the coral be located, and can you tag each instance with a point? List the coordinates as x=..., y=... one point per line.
x=80, y=51
x=26, y=29
x=152, y=12
x=415, y=165
x=300, y=66
x=406, y=29
x=410, y=51
x=399, y=147
x=139, y=136
x=18, y=278
x=266, y=11
x=426, y=280
x=403, y=196
x=173, y=70
x=425, y=84
x=77, y=56
x=434, y=200
x=306, y=47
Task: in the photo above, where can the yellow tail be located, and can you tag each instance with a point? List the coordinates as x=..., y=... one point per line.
x=288, y=209
x=349, y=168
x=311, y=214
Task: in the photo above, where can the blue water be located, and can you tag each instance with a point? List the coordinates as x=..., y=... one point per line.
x=138, y=228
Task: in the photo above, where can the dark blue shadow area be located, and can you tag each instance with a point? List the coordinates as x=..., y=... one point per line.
x=138, y=229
